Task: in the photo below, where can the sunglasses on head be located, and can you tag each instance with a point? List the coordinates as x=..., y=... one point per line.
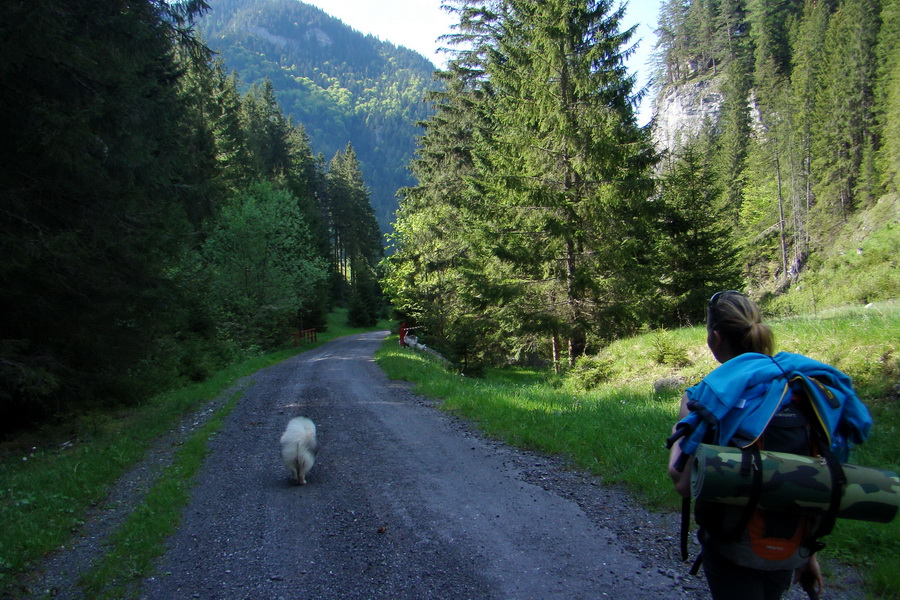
x=717, y=295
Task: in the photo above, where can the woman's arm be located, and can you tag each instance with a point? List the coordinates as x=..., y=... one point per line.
x=681, y=479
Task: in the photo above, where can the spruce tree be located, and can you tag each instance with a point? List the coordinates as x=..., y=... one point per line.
x=570, y=166
x=356, y=239
x=97, y=179
x=267, y=131
x=734, y=125
x=888, y=91
x=695, y=251
x=771, y=62
x=439, y=273
x=808, y=64
x=845, y=107
x=232, y=150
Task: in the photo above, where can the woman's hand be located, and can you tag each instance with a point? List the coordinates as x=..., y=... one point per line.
x=810, y=577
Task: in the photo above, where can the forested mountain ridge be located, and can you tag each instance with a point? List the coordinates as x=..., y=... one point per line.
x=341, y=85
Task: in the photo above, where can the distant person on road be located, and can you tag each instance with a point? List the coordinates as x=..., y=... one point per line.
x=733, y=566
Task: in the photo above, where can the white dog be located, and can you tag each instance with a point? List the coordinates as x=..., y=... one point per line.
x=299, y=447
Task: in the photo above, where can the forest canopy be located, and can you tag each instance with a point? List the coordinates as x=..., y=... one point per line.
x=342, y=85
x=164, y=211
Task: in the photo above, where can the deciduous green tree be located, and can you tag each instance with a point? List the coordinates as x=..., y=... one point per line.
x=264, y=266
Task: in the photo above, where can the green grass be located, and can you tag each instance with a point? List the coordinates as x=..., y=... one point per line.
x=46, y=491
x=857, y=266
x=142, y=537
x=617, y=430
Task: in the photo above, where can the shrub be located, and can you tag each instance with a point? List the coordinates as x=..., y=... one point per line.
x=666, y=351
x=591, y=371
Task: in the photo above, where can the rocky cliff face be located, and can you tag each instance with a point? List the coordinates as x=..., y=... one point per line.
x=680, y=111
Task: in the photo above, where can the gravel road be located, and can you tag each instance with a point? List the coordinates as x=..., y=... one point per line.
x=405, y=501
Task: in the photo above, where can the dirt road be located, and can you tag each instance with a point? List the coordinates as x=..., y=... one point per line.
x=405, y=501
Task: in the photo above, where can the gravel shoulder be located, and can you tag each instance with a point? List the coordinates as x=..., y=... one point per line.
x=405, y=501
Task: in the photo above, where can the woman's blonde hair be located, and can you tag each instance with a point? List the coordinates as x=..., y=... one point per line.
x=737, y=320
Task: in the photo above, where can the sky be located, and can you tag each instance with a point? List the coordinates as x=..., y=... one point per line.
x=417, y=24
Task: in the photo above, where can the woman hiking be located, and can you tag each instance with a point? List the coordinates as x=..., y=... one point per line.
x=733, y=566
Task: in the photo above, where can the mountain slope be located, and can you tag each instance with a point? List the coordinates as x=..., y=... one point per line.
x=340, y=84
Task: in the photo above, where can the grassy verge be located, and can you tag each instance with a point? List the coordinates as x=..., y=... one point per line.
x=617, y=429
x=141, y=538
x=46, y=492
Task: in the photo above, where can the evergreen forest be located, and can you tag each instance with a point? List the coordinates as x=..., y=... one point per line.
x=344, y=86
x=158, y=218
x=545, y=224
x=184, y=183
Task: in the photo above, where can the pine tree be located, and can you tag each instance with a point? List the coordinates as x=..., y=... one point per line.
x=695, y=249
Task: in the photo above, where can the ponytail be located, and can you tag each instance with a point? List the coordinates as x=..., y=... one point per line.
x=737, y=320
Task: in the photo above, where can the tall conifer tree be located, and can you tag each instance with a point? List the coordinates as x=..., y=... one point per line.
x=558, y=168
x=441, y=275
x=356, y=239
x=888, y=91
x=808, y=64
x=695, y=249
x=96, y=178
x=571, y=167
x=845, y=106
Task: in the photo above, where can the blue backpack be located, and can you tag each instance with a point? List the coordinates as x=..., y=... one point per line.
x=733, y=406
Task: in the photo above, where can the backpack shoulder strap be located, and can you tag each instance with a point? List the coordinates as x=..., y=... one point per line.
x=751, y=464
x=838, y=483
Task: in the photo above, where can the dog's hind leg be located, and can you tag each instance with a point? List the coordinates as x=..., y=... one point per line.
x=301, y=465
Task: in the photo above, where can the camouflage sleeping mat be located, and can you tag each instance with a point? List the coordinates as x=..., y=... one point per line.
x=794, y=483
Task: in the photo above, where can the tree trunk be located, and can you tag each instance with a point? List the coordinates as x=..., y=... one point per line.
x=781, y=233
x=555, y=341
